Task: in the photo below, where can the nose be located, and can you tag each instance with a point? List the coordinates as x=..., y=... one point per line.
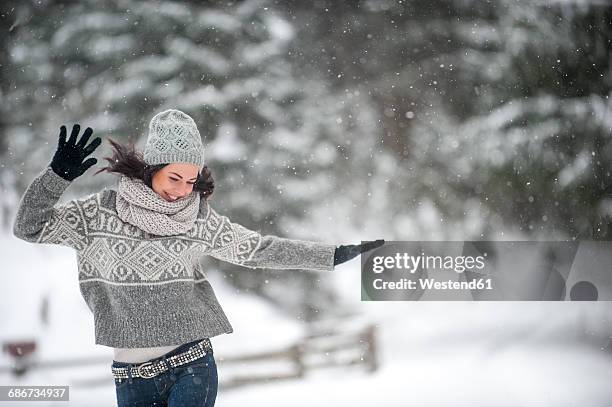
x=181, y=194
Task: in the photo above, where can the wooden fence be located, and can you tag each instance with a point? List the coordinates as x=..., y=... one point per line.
x=327, y=348
x=320, y=350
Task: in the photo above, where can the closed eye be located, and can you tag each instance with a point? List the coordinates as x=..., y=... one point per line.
x=190, y=183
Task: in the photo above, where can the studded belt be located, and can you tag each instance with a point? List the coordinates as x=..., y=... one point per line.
x=153, y=368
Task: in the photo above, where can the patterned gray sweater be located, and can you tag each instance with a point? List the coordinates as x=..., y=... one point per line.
x=146, y=290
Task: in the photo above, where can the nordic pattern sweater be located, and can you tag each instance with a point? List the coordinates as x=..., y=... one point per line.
x=146, y=290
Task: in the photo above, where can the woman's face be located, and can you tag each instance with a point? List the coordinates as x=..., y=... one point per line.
x=175, y=181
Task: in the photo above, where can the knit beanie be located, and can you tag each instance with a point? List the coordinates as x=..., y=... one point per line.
x=173, y=138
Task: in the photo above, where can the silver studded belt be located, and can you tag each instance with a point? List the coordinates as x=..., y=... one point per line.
x=153, y=368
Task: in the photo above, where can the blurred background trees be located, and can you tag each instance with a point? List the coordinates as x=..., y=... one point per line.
x=334, y=120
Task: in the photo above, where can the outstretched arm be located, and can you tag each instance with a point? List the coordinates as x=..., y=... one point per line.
x=236, y=244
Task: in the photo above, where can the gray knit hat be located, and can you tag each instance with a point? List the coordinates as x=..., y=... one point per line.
x=174, y=138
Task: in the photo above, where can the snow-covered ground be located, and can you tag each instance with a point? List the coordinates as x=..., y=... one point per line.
x=430, y=354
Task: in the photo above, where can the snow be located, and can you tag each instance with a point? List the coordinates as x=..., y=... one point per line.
x=218, y=20
x=156, y=65
x=575, y=170
x=457, y=377
x=104, y=47
x=226, y=146
x=125, y=89
x=452, y=116
x=67, y=33
x=439, y=354
x=204, y=57
x=280, y=31
x=202, y=96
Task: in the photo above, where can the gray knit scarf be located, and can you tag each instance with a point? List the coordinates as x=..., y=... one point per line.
x=140, y=206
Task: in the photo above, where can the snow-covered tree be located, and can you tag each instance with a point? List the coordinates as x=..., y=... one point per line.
x=113, y=64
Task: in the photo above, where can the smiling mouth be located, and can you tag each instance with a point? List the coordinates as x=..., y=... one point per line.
x=170, y=197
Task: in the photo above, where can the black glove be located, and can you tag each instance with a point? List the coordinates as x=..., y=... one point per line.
x=347, y=252
x=68, y=159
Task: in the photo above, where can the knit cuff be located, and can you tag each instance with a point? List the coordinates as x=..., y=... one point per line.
x=53, y=182
x=327, y=252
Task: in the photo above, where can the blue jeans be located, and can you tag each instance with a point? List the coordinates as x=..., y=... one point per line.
x=189, y=385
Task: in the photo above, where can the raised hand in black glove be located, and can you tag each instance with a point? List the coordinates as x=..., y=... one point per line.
x=347, y=252
x=68, y=159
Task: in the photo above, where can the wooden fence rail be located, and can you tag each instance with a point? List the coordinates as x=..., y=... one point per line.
x=319, y=350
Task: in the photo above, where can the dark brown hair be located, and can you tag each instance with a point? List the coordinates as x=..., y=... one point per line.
x=126, y=160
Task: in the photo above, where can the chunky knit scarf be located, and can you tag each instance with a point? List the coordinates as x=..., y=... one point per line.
x=140, y=206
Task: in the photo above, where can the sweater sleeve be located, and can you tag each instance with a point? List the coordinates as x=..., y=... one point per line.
x=40, y=219
x=236, y=244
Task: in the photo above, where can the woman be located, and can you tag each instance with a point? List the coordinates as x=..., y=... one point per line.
x=138, y=248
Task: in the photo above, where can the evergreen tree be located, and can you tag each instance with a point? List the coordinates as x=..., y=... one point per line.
x=113, y=64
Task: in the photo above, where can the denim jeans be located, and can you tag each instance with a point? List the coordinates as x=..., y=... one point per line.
x=189, y=385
